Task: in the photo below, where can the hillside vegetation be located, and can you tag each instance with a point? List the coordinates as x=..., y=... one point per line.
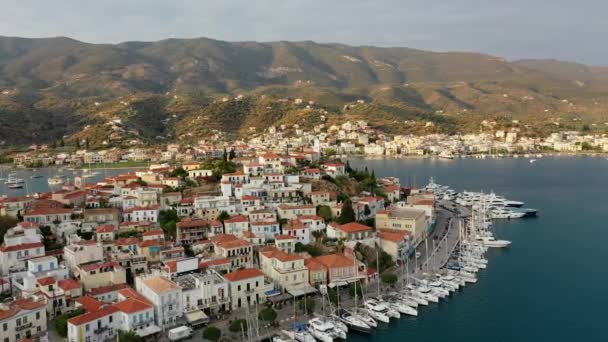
x=174, y=88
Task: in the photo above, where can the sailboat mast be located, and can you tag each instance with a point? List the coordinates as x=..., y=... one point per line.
x=378, y=270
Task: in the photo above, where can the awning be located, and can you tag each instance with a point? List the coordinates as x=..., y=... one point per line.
x=338, y=283
x=196, y=317
x=280, y=298
x=301, y=291
x=152, y=329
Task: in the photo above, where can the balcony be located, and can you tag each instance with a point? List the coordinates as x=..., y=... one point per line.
x=99, y=331
x=23, y=326
x=140, y=324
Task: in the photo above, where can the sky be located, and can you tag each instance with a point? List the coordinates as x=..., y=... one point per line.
x=514, y=29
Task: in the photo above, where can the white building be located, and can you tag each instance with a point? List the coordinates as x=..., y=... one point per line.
x=23, y=318
x=247, y=287
x=165, y=295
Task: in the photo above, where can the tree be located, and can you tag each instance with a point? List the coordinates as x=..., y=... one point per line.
x=268, y=314
x=317, y=234
x=179, y=172
x=236, y=325
x=307, y=303
x=351, y=290
x=366, y=210
x=324, y=212
x=6, y=222
x=77, y=143
x=232, y=154
x=61, y=142
x=212, y=333
x=225, y=155
x=86, y=143
x=129, y=336
x=141, y=182
x=347, y=214
x=223, y=216
x=168, y=221
x=347, y=168
x=60, y=323
x=388, y=278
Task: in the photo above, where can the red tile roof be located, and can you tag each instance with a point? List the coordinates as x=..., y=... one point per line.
x=283, y=237
x=394, y=236
x=335, y=261
x=21, y=247
x=68, y=284
x=105, y=289
x=245, y=273
x=89, y=303
x=353, y=227
x=48, y=211
x=154, y=232
x=93, y=316
x=132, y=305
x=44, y=281
x=107, y=228
x=236, y=219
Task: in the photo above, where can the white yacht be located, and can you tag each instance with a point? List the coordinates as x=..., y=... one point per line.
x=324, y=331
x=415, y=298
x=352, y=321
x=299, y=335
x=491, y=242
x=445, y=154
x=503, y=213
x=13, y=180
x=55, y=180
x=403, y=308
x=377, y=311
x=424, y=292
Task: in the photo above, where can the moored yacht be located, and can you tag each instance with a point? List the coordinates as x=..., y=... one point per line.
x=324, y=331
x=352, y=321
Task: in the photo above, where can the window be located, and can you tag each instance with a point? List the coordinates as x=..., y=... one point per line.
x=25, y=320
x=86, y=327
x=18, y=321
x=88, y=339
x=5, y=326
x=111, y=318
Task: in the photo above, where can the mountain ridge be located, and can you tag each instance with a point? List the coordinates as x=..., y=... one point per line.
x=56, y=85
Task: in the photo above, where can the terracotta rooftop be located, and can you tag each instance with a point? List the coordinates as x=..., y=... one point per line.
x=245, y=273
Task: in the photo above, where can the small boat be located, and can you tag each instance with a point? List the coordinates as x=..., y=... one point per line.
x=35, y=176
x=55, y=181
x=15, y=186
x=532, y=161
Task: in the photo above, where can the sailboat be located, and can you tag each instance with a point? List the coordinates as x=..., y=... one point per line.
x=353, y=320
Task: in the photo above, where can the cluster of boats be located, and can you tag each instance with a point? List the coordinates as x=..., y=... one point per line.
x=377, y=310
x=498, y=206
x=13, y=182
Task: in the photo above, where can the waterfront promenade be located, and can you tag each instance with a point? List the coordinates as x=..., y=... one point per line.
x=443, y=238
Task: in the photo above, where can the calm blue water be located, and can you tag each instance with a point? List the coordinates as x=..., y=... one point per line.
x=552, y=284
x=41, y=184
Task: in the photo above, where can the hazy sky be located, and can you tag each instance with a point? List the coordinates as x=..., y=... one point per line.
x=568, y=30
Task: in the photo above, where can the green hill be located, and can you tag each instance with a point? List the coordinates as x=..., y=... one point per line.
x=173, y=88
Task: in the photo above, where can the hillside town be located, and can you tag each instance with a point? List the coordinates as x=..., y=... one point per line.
x=350, y=139
x=191, y=242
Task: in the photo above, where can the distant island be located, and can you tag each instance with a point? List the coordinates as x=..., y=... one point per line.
x=184, y=90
